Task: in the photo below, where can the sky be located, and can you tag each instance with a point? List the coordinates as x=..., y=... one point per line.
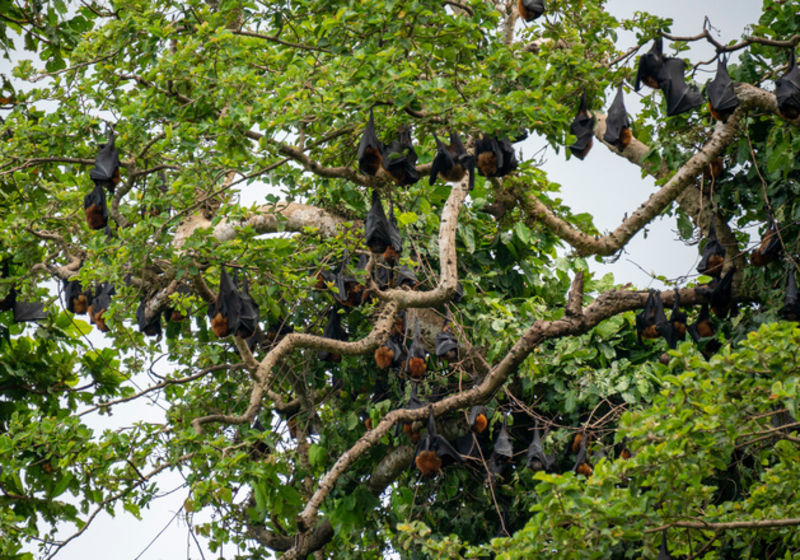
x=604, y=184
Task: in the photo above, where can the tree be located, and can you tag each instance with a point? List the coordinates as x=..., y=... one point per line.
x=298, y=455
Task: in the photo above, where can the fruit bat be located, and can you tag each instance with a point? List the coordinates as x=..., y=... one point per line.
x=702, y=327
x=681, y=97
x=651, y=322
x=409, y=427
x=393, y=250
x=495, y=158
x=713, y=255
x=151, y=327
x=575, y=445
x=106, y=165
x=503, y=447
x=663, y=553
x=537, y=460
x=722, y=100
x=582, y=465
x=415, y=365
x=225, y=313
x=678, y=318
x=529, y=10
x=650, y=66
x=349, y=293
x=248, y=316
x=390, y=354
x=618, y=127
x=582, y=128
x=23, y=311
x=770, y=247
x=721, y=297
x=380, y=233
x=445, y=343
x=622, y=450
x=434, y=451
x=452, y=161
x=478, y=421
x=405, y=277
x=791, y=305
x=370, y=149
x=471, y=447
x=334, y=330
x=95, y=208
x=400, y=159
x=509, y=163
x=787, y=90
x=77, y=298
x=99, y=304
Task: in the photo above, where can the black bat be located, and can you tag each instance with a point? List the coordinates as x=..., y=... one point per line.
x=348, y=291
x=791, y=304
x=495, y=158
x=370, y=149
x=663, y=553
x=650, y=66
x=787, y=90
x=226, y=312
x=503, y=446
x=452, y=161
x=478, y=420
x=405, y=277
x=416, y=365
x=537, y=459
x=582, y=464
x=678, y=318
x=702, y=327
x=151, y=327
x=400, y=159
x=95, y=208
x=249, y=314
x=770, y=247
x=722, y=100
x=434, y=451
x=681, y=97
x=459, y=293
x=618, y=126
x=509, y=157
x=445, y=343
x=379, y=232
x=390, y=354
x=582, y=127
x=713, y=255
x=334, y=330
x=721, y=298
x=393, y=250
x=651, y=322
x=106, y=164
x=99, y=305
x=77, y=298
x=412, y=429
x=529, y=10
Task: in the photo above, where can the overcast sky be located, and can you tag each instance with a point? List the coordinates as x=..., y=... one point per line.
x=604, y=185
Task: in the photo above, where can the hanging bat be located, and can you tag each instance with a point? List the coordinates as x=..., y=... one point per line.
x=582, y=127
x=390, y=354
x=618, y=127
x=722, y=100
x=400, y=159
x=678, y=318
x=404, y=277
x=509, y=161
x=663, y=553
x=529, y=10
x=434, y=451
x=379, y=232
x=622, y=450
x=650, y=66
x=770, y=247
x=471, y=447
x=413, y=429
x=445, y=343
x=99, y=304
x=77, y=298
x=713, y=255
x=702, y=327
x=334, y=330
x=452, y=161
x=582, y=465
x=490, y=157
x=458, y=295
x=537, y=460
x=721, y=297
x=791, y=304
x=105, y=172
x=478, y=421
x=370, y=149
x=681, y=97
x=651, y=321
x=225, y=313
x=248, y=316
x=393, y=250
x=349, y=293
x=415, y=365
x=151, y=327
x=95, y=208
x=503, y=446
x=24, y=311
x=787, y=90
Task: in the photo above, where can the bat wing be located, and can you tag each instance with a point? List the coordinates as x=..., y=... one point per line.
x=376, y=226
x=442, y=161
x=649, y=65
x=787, y=90
x=680, y=96
x=445, y=450
x=509, y=157
x=106, y=165
x=617, y=119
x=151, y=327
x=720, y=90
x=445, y=343
x=250, y=312
x=28, y=311
x=503, y=445
x=406, y=277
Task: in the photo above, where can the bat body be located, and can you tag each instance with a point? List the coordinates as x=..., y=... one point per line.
x=446, y=344
x=618, y=126
x=678, y=318
x=452, y=161
x=99, y=305
x=702, y=327
x=529, y=10
x=721, y=297
x=95, y=208
x=379, y=231
x=503, y=446
x=582, y=127
x=399, y=160
x=405, y=277
x=434, y=452
x=225, y=313
x=408, y=427
x=791, y=304
x=769, y=249
x=713, y=255
x=722, y=100
x=390, y=354
x=495, y=158
x=582, y=465
x=787, y=90
x=151, y=327
x=370, y=149
x=652, y=322
x=106, y=165
x=248, y=316
x=536, y=459
x=650, y=66
x=77, y=298
x=416, y=365
x=478, y=421
x=681, y=97
x=334, y=330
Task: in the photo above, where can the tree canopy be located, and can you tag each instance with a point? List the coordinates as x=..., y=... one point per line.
x=366, y=364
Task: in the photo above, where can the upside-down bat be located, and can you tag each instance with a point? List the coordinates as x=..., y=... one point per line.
x=722, y=100
x=409, y=427
x=225, y=313
x=503, y=447
x=248, y=316
x=651, y=322
x=791, y=304
x=23, y=311
x=452, y=161
x=349, y=292
x=713, y=255
x=392, y=253
x=370, y=149
x=575, y=445
x=650, y=66
x=434, y=451
x=681, y=97
x=478, y=420
x=390, y=354
x=721, y=297
x=380, y=233
x=99, y=304
x=495, y=158
x=618, y=127
x=151, y=327
x=415, y=365
x=95, y=208
x=400, y=159
x=702, y=327
x=529, y=10
x=582, y=464
x=770, y=247
x=445, y=343
x=622, y=450
x=582, y=127
x=106, y=165
x=77, y=298
x=663, y=553
x=334, y=330
x=787, y=90
x=537, y=460
x=678, y=318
